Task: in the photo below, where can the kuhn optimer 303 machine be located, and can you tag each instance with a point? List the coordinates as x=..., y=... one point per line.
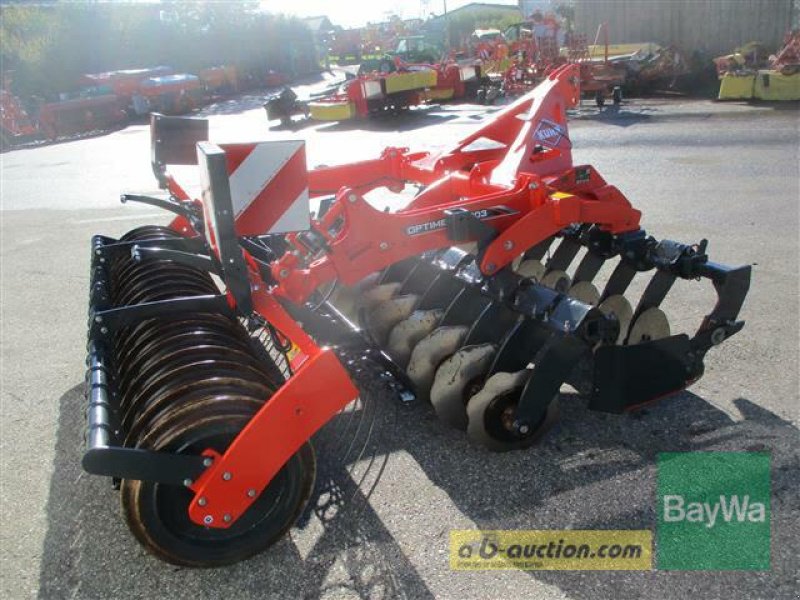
x=219, y=345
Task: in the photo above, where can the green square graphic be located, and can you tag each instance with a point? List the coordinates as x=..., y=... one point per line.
x=713, y=511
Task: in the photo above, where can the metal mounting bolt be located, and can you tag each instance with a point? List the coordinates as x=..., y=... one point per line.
x=227, y=475
x=524, y=429
x=98, y=319
x=202, y=501
x=208, y=519
x=383, y=246
x=104, y=330
x=284, y=273
x=718, y=336
x=251, y=493
x=226, y=518
x=352, y=197
x=208, y=461
x=533, y=186
x=187, y=482
x=508, y=245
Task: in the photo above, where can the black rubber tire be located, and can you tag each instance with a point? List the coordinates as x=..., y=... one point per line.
x=599, y=99
x=485, y=414
x=157, y=514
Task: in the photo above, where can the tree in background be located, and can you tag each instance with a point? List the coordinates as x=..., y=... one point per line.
x=460, y=25
x=49, y=46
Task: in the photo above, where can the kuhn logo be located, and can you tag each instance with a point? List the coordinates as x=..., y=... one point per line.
x=483, y=214
x=730, y=509
x=549, y=133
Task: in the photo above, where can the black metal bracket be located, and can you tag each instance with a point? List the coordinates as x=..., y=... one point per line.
x=464, y=226
x=221, y=229
x=173, y=141
x=145, y=465
x=313, y=241
x=626, y=376
x=171, y=204
x=103, y=323
x=329, y=326
x=325, y=205
x=599, y=242
x=191, y=259
x=109, y=248
x=635, y=249
x=555, y=361
x=731, y=285
x=682, y=260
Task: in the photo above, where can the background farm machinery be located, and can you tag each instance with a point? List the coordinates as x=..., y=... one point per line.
x=388, y=85
x=752, y=73
x=525, y=53
x=54, y=119
x=219, y=345
x=107, y=100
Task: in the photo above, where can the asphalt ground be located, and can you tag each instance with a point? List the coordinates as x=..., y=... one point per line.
x=394, y=481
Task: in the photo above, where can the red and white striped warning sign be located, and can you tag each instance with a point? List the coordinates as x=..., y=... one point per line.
x=269, y=186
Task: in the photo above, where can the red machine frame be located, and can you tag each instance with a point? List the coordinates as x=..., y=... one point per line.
x=525, y=186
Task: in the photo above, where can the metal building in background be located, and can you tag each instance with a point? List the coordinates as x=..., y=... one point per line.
x=710, y=27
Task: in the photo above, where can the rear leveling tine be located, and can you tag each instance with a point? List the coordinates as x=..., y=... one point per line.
x=564, y=254
x=519, y=346
x=655, y=292
x=555, y=363
x=620, y=279
x=538, y=251
x=588, y=268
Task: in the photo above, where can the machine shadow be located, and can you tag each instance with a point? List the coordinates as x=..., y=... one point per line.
x=235, y=105
x=407, y=120
x=599, y=471
x=40, y=143
x=340, y=546
x=591, y=464
x=619, y=116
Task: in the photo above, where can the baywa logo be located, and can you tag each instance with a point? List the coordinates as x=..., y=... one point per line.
x=728, y=509
x=714, y=511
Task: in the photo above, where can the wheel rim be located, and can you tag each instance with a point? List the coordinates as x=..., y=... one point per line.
x=158, y=513
x=498, y=418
